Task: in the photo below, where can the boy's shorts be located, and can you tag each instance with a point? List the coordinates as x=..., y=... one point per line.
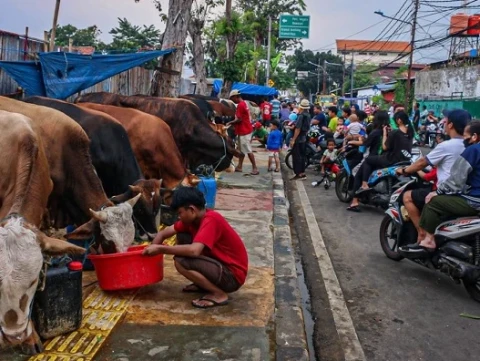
x=273, y=153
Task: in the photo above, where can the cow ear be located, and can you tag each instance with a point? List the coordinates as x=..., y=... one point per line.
x=56, y=247
x=85, y=231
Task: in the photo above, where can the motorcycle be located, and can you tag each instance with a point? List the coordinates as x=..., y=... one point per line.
x=458, y=243
x=429, y=136
x=312, y=155
x=382, y=183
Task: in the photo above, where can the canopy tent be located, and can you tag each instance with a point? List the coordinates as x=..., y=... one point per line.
x=60, y=75
x=248, y=89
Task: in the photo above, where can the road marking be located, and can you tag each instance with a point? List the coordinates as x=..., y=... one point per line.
x=343, y=321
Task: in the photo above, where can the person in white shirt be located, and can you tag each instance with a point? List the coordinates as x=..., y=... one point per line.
x=442, y=157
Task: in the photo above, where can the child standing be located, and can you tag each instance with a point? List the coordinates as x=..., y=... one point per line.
x=329, y=156
x=274, y=143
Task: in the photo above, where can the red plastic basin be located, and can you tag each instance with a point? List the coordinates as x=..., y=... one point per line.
x=120, y=271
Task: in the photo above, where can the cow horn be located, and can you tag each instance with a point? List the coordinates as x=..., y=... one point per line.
x=100, y=216
x=135, y=189
x=134, y=200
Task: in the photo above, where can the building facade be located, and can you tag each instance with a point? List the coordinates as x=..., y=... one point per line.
x=373, y=52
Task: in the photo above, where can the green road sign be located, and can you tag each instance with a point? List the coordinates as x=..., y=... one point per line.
x=294, y=26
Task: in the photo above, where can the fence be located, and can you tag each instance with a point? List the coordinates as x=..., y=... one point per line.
x=15, y=47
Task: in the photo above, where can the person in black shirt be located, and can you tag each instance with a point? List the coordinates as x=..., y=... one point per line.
x=299, y=140
x=373, y=144
x=393, y=145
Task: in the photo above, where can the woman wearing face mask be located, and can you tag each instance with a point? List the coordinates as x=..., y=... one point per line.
x=458, y=196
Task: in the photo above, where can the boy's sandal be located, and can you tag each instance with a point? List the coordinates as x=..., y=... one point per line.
x=354, y=209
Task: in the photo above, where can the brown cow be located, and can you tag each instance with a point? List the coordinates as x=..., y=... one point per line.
x=25, y=185
x=77, y=191
x=152, y=142
x=194, y=136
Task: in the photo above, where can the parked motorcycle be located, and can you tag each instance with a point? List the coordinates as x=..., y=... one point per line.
x=312, y=154
x=458, y=243
x=429, y=136
x=382, y=183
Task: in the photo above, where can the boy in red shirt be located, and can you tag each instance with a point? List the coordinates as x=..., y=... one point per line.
x=209, y=252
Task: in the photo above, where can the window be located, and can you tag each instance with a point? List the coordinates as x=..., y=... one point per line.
x=383, y=54
x=371, y=53
x=362, y=53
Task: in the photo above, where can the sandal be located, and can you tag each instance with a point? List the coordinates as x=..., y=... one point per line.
x=212, y=304
x=277, y=170
x=355, y=209
x=193, y=288
x=255, y=173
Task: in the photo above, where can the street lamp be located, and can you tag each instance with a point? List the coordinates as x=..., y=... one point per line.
x=413, y=24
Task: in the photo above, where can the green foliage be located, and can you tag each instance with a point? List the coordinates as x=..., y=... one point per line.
x=81, y=37
x=301, y=61
x=400, y=92
x=363, y=75
x=380, y=101
x=129, y=36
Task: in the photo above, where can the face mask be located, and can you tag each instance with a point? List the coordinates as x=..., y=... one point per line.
x=466, y=142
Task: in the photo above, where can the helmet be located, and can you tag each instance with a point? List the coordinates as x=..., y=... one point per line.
x=293, y=117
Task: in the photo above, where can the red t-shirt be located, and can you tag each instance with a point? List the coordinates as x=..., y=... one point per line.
x=244, y=127
x=221, y=243
x=266, y=108
x=431, y=177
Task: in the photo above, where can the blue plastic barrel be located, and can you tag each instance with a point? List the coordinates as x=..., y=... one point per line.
x=208, y=186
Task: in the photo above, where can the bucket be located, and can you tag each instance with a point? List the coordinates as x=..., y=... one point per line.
x=126, y=270
x=208, y=186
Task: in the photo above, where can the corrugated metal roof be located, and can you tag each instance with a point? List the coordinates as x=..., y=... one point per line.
x=377, y=46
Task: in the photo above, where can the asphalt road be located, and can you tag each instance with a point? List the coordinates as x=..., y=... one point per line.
x=400, y=310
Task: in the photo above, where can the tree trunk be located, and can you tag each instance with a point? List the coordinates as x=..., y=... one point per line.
x=168, y=84
x=195, y=30
x=231, y=39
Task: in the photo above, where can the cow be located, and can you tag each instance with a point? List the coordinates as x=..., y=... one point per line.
x=154, y=148
x=112, y=157
x=25, y=186
x=205, y=107
x=198, y=143
x=223, y=113
x=77, y=195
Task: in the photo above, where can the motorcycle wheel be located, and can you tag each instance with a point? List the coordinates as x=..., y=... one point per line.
x=386, y=235
x=289, y=160
x=473, y=289
x=344, y=194
x=432, y=143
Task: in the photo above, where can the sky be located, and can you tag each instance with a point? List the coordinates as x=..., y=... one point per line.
x=328, y=22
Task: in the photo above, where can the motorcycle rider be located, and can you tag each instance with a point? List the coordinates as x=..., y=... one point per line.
x=457, y=196
x=442, y=157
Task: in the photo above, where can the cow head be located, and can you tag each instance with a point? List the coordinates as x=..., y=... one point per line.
x=112, y=227
x=21, y=259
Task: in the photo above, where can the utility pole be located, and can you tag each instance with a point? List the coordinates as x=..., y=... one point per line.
x=343, y=79
x=318, y=76
x=54, y=26
x=324, y=91
x=269, y=55
x=351, y=81
x=410, y=62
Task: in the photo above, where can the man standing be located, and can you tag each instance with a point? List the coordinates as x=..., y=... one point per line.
x=275, y=108
x=416, y=116
x=319, y=119
x=299, y=140
x=243, y=131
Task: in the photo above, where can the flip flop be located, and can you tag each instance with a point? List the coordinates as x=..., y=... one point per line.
x=193, y=288
x=238, y=170
x=213, y=303
x=255, y=173
x=354, y=209
x=276, y=170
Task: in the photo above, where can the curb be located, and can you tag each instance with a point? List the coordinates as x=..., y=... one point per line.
x=290, y=338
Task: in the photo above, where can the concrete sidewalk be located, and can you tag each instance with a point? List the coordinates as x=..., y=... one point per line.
x=262, y=322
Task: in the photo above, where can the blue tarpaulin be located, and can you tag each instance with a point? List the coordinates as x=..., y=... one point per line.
x=28, y=74
x=250, y=89
x=60, y=75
